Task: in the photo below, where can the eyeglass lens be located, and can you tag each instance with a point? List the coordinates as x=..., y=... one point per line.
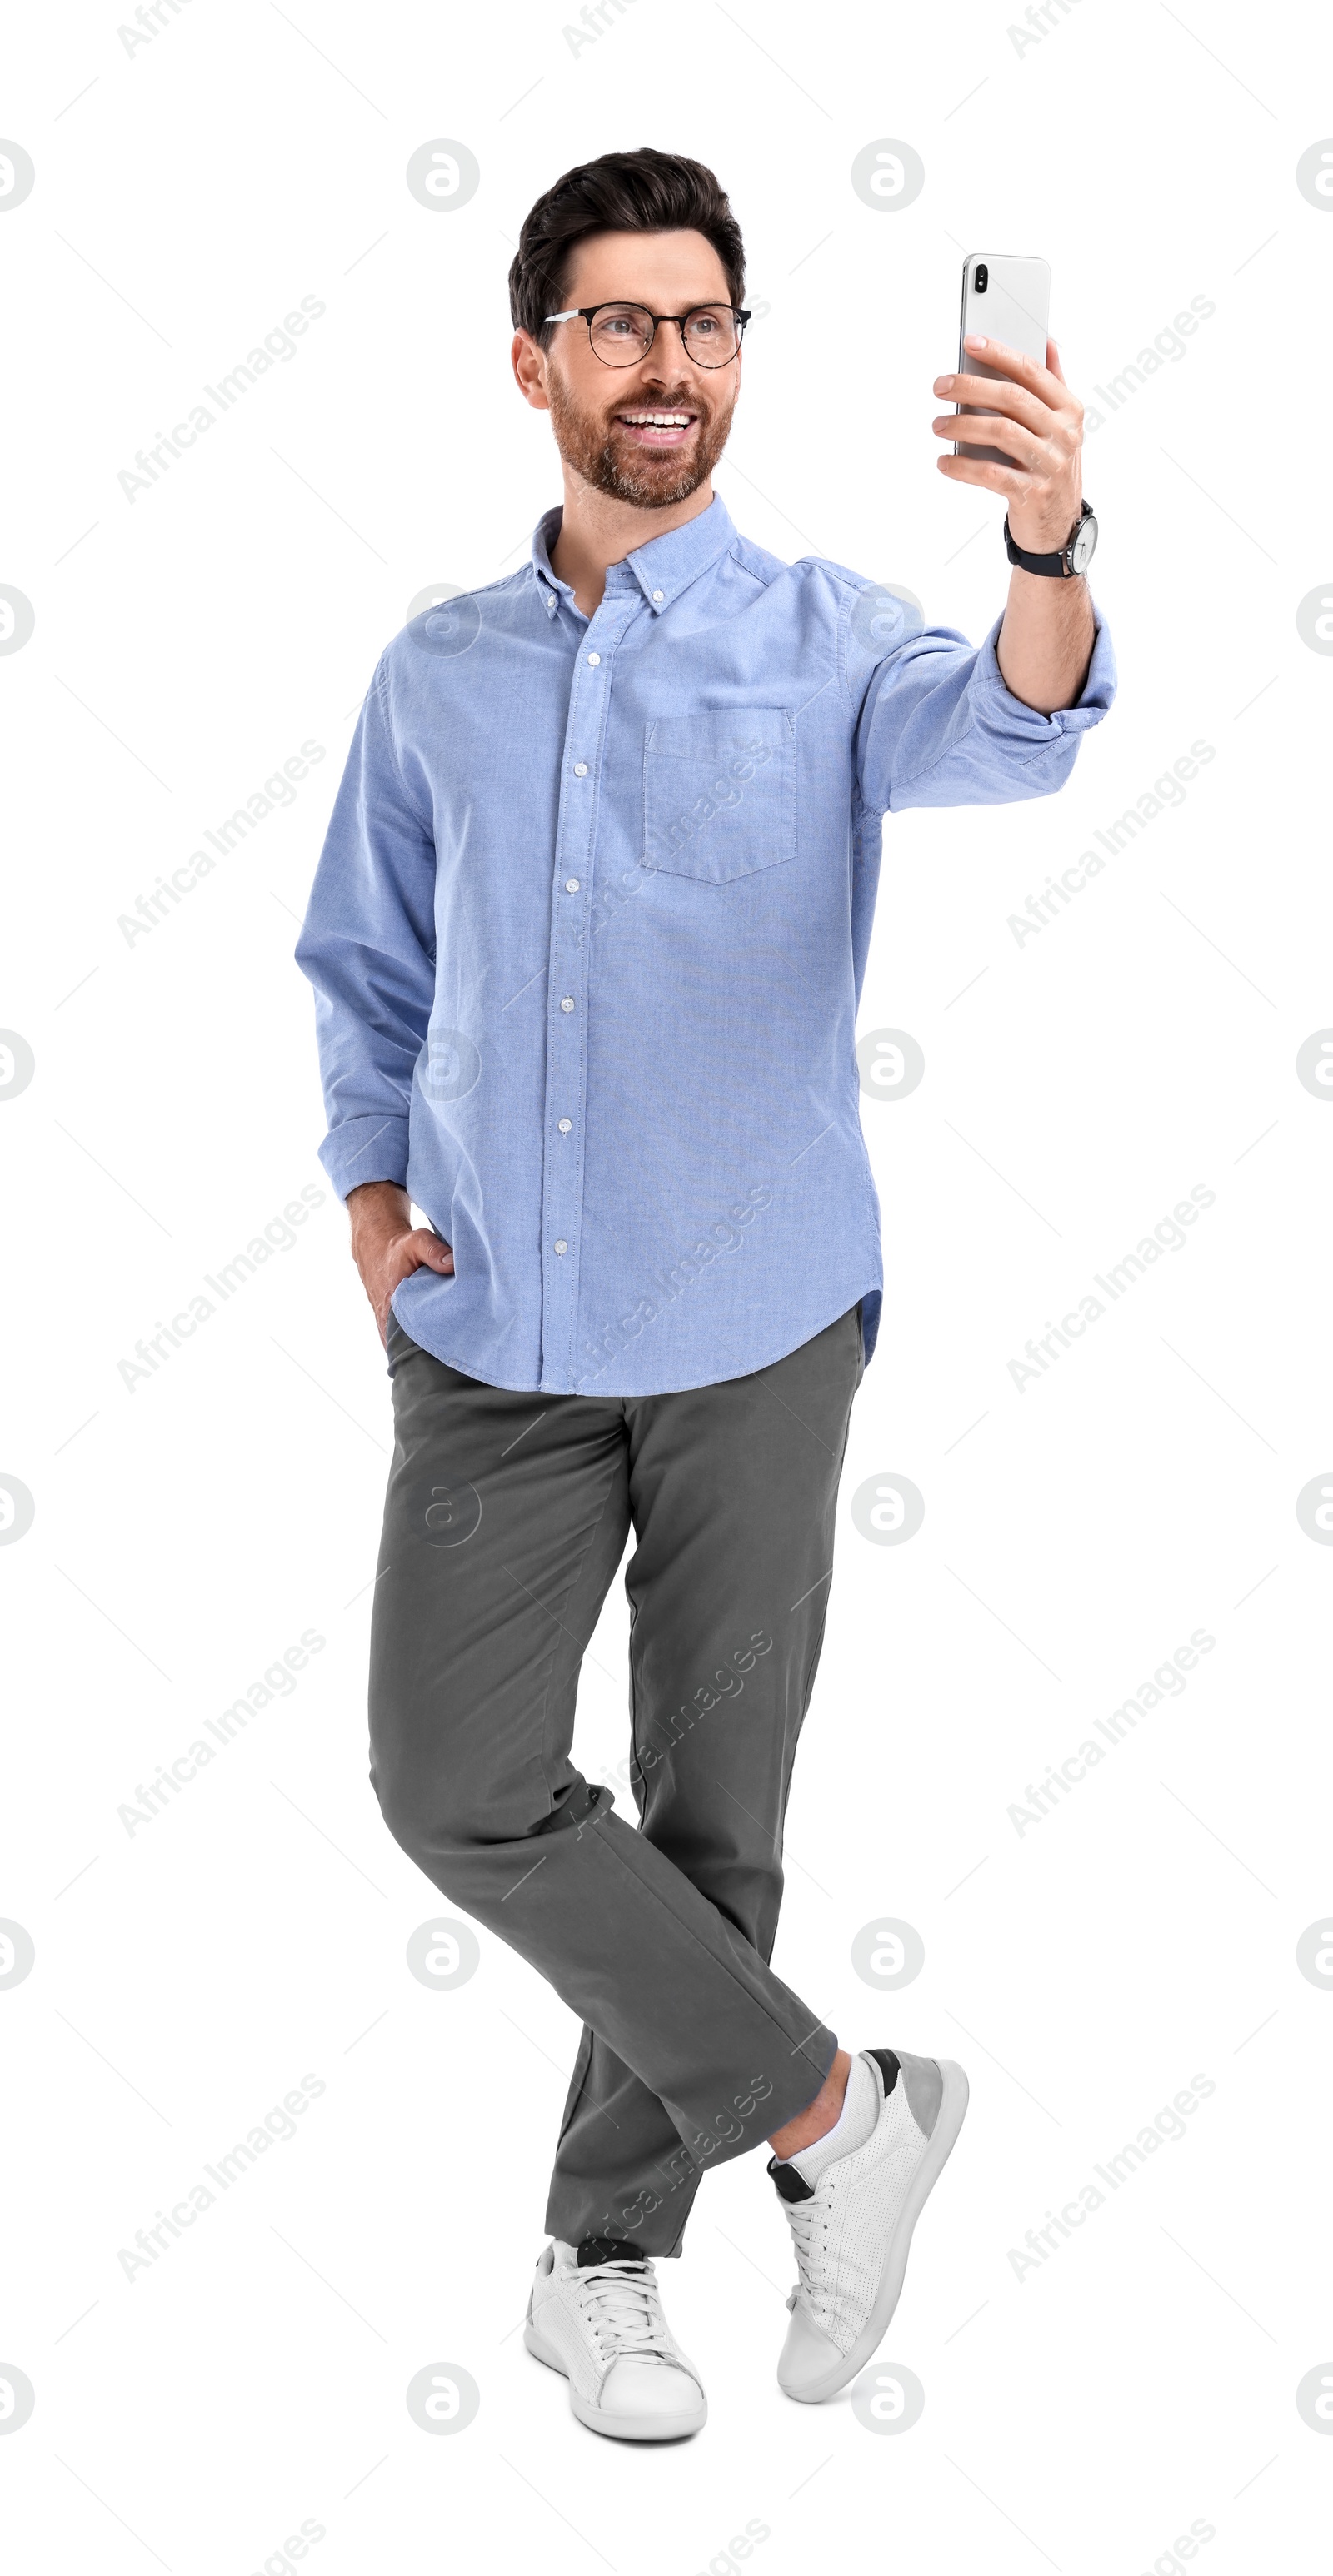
x=622, y=333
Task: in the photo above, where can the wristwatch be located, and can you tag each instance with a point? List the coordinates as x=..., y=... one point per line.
x=1073, y=558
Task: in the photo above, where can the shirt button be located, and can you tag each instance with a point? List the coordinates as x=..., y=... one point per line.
x=565, y=1125
x=567, y=1004
x=659, y=594
x=580, y=769
x=562, y=1247
x=571, y=885
x=594, y=658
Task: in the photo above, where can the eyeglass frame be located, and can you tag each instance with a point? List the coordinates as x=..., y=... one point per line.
x=612, y=303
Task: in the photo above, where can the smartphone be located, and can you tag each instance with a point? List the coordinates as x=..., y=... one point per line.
x=1008, y=298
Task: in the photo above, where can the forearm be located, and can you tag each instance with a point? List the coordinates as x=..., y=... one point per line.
x=380, y=1216
x=1045, y=643
x=379, y=1206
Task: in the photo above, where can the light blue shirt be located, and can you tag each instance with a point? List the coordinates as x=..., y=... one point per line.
x=587, y=940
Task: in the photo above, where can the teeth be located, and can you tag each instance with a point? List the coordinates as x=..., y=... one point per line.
x=657, y=419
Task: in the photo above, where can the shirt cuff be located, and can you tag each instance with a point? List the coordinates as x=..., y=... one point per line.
x=365, y=1149
x=1098, y=689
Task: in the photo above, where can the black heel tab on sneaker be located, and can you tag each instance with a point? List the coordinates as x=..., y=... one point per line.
x=888, y=2066
x=790, y=2184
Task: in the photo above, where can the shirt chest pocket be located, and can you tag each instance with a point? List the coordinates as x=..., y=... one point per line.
x=719, y=793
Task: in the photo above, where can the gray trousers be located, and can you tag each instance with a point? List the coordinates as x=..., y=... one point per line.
x=505, y=1520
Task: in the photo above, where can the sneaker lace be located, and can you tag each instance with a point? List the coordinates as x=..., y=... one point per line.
x=623, y=2307
x=809, y=2220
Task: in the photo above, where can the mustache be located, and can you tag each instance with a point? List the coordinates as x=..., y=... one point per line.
x=654, y=401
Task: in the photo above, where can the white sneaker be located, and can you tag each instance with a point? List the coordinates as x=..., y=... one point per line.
x=601, y=2324
x=852, y=2211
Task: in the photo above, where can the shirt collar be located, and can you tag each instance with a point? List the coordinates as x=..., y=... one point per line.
x=544, y=535
x=663, y=568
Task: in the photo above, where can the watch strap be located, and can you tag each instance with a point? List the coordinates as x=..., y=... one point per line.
x=1055, y=567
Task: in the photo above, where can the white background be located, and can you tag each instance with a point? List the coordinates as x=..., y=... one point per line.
x=188, y=194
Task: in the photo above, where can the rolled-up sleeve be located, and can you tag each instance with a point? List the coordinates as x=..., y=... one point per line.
x=368, y=948
x=938, y=726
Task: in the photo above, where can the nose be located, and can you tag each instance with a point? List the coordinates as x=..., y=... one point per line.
x=660, y=348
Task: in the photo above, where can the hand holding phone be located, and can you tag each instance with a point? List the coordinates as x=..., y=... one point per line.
x=1007, y=298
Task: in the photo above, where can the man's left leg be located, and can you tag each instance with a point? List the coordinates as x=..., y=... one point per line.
x=733, y=1490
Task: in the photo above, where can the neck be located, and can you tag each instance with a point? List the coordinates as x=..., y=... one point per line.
x=597, y=530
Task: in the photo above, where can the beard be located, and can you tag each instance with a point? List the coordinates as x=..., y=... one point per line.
x=603, y=454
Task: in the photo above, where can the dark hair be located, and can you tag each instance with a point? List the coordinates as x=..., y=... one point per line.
x=623, y=192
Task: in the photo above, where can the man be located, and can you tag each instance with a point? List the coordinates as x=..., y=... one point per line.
x=587, y=939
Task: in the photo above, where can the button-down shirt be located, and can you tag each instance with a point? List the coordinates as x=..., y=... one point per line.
x=588, y=935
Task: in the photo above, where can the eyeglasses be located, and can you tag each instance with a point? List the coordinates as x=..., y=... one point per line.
x=622, y=334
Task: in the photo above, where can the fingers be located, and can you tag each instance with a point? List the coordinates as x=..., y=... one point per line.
x=1015, y=485
x=1013, y=364
x=427, y=1251
x=1014, y=401
x=994, y=430
x=386, y=1266
x=1028, y=413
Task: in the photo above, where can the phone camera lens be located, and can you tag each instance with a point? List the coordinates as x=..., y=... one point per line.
x=981, y=277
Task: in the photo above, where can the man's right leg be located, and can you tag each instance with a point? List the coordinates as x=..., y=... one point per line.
x=505, y=1519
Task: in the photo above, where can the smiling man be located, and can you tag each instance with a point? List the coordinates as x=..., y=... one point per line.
x=587, y=938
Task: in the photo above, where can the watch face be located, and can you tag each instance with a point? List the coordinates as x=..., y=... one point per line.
x=1083, y=545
